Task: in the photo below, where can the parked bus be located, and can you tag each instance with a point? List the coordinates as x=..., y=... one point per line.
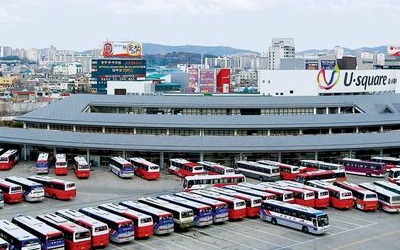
x=81, y=167
x=33, y=191
x=236, y=207
x=206, y=181
x=364, y=199
x=121, y=167
x=388, y=201
x=49, y=237
x=215, y=168
x=258, y=171
x=17, y=237
x=394, y=175
x=56, y=188
x=245, y=190
x=321, y=195
x=203, y=214
x=253, y=203
x=143, y=223
x=338, y=197
x=61, y=167
x=360, y=167
x=76, y=237
x=8, y=159
x=287, y=172
x=98, y=230
x=145, y=169
x=391, y=162
x=121, y=228
x=313, y=165
x=219, y=208
x=281, y=195
x=183, y=217
x=325, y=175
x=183, y=168
x=163, y=221
x=12, y=193
x=301, y=196
x=3, y=244
x=307, y=219
x=43, y=163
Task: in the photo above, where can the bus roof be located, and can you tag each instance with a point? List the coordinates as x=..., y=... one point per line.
x=184, y=161
x=5, y=183
x=164, y=203
x=184, y=202
x=359, y=160
x=43, y=157
x=78, y=216
x=142, y=161
x=326, y=185
x=377, y=189
x=35, y=224
x=121, y=160
x=212, y=177
x=353, y=187
x=61, y=157
x=58, y=221
x=256, y=164
x=249, y=190
x=126, y=212
x=305, y=209
x=213, y=164
x=9, y=152
x=16, y=231
x=104, y=214
x=22, y=180
x=300, y=185
x=199, y=198
x=80, y=160
x=214, y=195
x=386, y=158
x=49, y=179
x=233, y=193
x=145, y=208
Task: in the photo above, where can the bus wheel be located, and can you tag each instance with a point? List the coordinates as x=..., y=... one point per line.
x=54, y=196
x=273, y=221
x=305, y=229
x=261, y=178
x=368, y=174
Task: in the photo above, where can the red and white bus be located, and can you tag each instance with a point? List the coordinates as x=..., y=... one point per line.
x=76, y=236
x=245, y=190
x=258, y=171
x=81, y=167
x=49, y=237
x=391, y=162
x=281, y=195
x=236, y=207
x=61, y=167
x=364, y=199
x=145, y=169
x=253, y=203
x=288, y=172
x=388, y=201
x=56, y=188
x=326, y=175
x=321, y=195
x=143, y=223
x=394, y=175
x=313, y=165
x=42, y=163
x=98, y=230
x=360, y=167
x=12, y=193
x=121, y=228
x=206, y=181
x=8, y=159
x=302, y=196
x=338, y=197
x=215, y=168
x=183, y=168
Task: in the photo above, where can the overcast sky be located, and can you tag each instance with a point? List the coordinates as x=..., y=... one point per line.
x=245, y=24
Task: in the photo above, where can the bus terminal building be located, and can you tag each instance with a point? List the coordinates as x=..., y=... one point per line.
x=223, y=129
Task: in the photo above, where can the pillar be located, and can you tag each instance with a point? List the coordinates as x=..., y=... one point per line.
x=161, y=160
x=201, y=156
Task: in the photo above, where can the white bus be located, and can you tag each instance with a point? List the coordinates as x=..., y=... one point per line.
x=183, y=217
x=205, y=181
x=3, y=244
x=17, y=237
x=388, y=201
x=215, y=168
x=202, y=213
x=121, y=167
x=307, y=219
x=388, y=186
x=258, y=171
x=33, y=191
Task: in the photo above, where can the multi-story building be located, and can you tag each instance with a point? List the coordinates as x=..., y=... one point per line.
x=281, y=48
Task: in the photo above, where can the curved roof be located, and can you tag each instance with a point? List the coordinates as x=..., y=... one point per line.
x=157, y=143
x=70, y=111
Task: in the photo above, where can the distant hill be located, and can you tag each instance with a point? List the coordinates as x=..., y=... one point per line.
x=347, y=51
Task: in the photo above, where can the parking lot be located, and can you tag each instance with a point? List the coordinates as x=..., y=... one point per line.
x=349, y=229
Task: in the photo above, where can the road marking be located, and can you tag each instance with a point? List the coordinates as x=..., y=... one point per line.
x=350, y=245
x=172, y=243
x=116, y=246
x=190, y=238
x=342, y=221
x=276, y=235
x=142, y=244
x=341, y=228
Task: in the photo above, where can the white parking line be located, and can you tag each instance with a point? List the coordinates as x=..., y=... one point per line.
x=341, y=228
x=145, y=245
x=262, y=231
x=115, y=246
x=204, y=243
x=170, y=242
x=346, y=222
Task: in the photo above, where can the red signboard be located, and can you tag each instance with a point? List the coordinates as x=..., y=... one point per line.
x=224, y=81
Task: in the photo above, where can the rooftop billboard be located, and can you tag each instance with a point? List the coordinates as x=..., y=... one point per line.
x=122, y=49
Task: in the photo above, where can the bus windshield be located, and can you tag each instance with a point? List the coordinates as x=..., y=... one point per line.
x=370, y=196
x=198, y=168
x=70, y=185
x=3, y=158
x=61, y=164
x=153, y=167
x=82, y=235
x=31, y=242
x=126, y=224
x=16, y=189
x=55, y=237
x=145, y=220
x=187, y=214
x=323, y=220
x=100, y=229
x=240, y=204
x=83, y=167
